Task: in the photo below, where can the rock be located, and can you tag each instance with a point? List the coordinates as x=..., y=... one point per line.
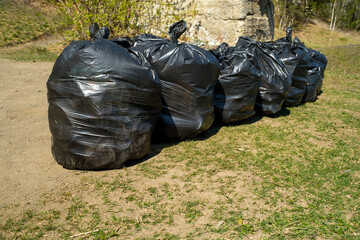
x=219, y=224
x=217, y=21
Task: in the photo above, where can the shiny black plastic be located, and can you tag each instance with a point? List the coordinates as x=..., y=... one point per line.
x=316, y=70
x=314, y=78
x=104, y=101
x=275, y=79
x=98, y=33
x=221, y=51
x=238, y=84
x=296, y=59
x=300, y=75
x=319, y=58
x=188, y=74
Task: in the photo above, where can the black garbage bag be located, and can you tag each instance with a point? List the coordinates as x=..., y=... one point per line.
x=296, y=59
x=238, y=84
x=319, y=58
x=221, y=51
x=314, y=78
x=316, y=70
x=103, y=105
x=188, y=74
x=98, y=33
x=300, y=75
x=283, y=49
x=275, y=79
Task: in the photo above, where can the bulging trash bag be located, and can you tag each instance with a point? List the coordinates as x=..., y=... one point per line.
x=314, y=78
x=317, y=66
x=103, y=104
x=300, y=75
x=296, y=59
x=321, y=60
x=283, y=49
x=275, y=79
x=238, y=84
x=187, y=74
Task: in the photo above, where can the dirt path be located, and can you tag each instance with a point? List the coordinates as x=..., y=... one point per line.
x=26, y=165
x=28, y=172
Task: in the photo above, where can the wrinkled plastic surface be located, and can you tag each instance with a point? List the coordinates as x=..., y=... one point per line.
x=188, y=74
x=98, y=33
x=296, y=59
x=300, y=75
x=238, y=84
x=221, y=51
x=316, y=70
x=314, y=79
x=103, y=105
x=275, y=79
x=321, y=60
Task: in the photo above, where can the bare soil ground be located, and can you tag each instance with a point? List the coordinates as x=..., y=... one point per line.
x=29, y=173
x=26, y=165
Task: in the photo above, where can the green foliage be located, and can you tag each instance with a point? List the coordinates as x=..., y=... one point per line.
x=290, y=13
x=122, y=17
x=296, y=13
x=349, y=14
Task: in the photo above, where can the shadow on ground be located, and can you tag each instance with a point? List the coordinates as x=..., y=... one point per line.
x=158, y=145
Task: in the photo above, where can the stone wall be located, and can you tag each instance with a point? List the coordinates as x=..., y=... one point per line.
x=217, y=21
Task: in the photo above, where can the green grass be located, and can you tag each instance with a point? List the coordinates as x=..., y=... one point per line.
x=318, y=36
x=23, y=22
x=292, y=177
x=30, y=53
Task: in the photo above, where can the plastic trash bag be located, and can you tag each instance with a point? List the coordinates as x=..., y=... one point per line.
x=238, y=84
x=98, y=33
x=221, y=51
x=275, y=79
x=188, y=74
x=283, y=48
x=314, y=78
x=316, y=70
x=320, y=59
x=300, y=75
x=296, y=59
x=103, y=105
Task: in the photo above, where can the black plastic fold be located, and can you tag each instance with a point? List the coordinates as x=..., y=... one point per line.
x=103, y=104
x=296, y=59
x=321, y=60
x=98, y=33
x=275, y=79
x=188, y=74
x=316, y=70
x=238, y=84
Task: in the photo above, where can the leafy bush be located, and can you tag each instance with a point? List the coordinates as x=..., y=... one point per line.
x=123, y=17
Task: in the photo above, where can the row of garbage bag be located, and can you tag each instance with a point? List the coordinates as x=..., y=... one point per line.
x=107, y=97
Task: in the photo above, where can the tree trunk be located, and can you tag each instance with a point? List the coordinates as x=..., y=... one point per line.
x=285, y=17
x=332, y=15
